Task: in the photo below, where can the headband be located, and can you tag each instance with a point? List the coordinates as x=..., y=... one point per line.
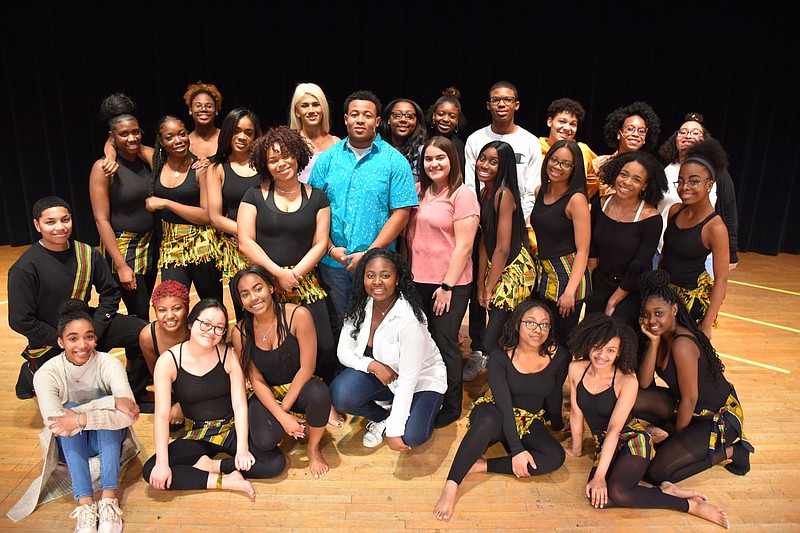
x=704, y=162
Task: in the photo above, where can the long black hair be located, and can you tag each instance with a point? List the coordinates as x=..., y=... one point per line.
x=506, y=182
x=577, y=180
x=229, y=127
x=356, y=306
x=655, y=284
x=509, y=336
x=595, y=331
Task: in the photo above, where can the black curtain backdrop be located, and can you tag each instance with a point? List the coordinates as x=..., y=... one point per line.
x=731, y=61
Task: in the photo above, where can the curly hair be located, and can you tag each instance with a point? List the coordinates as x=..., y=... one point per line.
x=451, y=95
x=454, y=179
x=71, y=310
x=248, y=330
x=228, y=129
x=356, y=306
x=577, y=180
x=369, y=96
x=595, y=331
x=656, y=184
x=159, y=152
x=655, y=284
x=509, y=335
x=116, y=108
x=169, y=288
x=669, y=150
x=616, y=118
x=566, y=105
x=193, y=89
x=288, y=140
x=311, y=89
x=412, y=143
x=710, y=151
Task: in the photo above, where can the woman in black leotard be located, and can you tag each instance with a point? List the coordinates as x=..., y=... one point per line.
x=188, y=243
x=603, y=390
x=521, y=374
x=700, y=409
x=278, y=352
x=207, y=380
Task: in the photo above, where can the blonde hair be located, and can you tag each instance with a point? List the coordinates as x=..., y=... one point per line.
x=314, y=90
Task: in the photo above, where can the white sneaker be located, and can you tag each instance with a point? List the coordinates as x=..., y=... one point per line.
x=475, y=363
x=87, y=518
x=386, y=404
x=374, y=435
x=110, y=516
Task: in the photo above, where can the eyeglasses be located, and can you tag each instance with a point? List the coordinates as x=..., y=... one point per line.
x=692, y=184
x=630, y=130
x=531, y=325
x=205, y=327
x=554, y=162
x=508, y=100
x=397, y=115
x=691, y=133
x=200, y=106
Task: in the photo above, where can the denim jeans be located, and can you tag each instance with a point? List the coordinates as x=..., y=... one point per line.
x=76, y=451
x=338, y=282
x=354, y=392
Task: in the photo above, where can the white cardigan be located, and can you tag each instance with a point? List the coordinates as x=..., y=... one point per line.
x=404, y=344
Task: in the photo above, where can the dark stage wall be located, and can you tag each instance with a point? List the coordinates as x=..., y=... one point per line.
x=726, y=60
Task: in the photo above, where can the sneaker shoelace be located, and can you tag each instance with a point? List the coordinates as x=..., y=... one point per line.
x=86, y=515
x=110, y=511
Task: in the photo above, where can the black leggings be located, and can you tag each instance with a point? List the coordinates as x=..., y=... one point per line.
x=486, y=428
x=491, y=335
x=206, y=277
x=683, y=454
x=624, y=490
x=184, y=453
x=314, y=400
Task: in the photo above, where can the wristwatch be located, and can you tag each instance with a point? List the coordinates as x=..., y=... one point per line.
x=446, y=287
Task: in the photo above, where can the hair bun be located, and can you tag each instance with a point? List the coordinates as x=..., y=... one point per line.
x=115, y=105
x=653, y=279
x=73, y=305
x=697, y=117
x=452, y=91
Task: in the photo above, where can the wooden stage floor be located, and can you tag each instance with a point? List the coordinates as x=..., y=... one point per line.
x=380, y=490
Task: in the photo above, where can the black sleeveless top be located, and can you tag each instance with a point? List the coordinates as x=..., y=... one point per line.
x=489, y=227
x=710, y=394
x=684, y=252
x=280, y=365
x=187, y=193
x=206, y=397
x=286, y=236
x=233, y=190
x=126, y=195
x=555, y=233
x=597, y=408
x=153, y=336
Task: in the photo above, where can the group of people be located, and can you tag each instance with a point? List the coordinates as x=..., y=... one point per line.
x=351, y=264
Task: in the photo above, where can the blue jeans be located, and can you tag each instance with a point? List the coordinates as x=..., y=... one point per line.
x=354, y=392
x=338, y=282
x=76, y=451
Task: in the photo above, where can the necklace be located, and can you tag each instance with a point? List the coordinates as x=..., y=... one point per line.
x=85, y=366
x=383, y=313
x=290, y=191
x=264, y=336
x=177, y=170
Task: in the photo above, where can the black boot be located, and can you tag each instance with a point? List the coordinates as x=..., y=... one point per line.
x=24, y=387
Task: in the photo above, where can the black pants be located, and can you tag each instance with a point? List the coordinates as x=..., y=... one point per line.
x=603, y=286
x=477, y=314
x=137, y=302
x=206, y=277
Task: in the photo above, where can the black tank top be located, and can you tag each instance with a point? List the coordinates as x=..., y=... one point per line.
x=187, y=193
x=280, y=365
x=710, y=394
x=234, y=188
x=555, y=233
x=153, y=336
x=684, y=252
x=597, y=408
x=206, y=397
x=126, y=195
x=489, y=227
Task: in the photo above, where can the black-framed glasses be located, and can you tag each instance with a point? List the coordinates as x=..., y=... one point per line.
x=398, y=115
x=692, y=184
x=205, y=327
x=630, y=130
x=508, y=100
x=530, y=325
x=565, y=165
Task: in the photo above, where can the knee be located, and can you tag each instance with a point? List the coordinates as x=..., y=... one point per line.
x=317, y=392
x=341, y=392
x=415, y=437
x=656, y=474
x=486, y=419
x=620, y=496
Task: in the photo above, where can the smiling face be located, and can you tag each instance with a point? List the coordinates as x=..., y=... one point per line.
x=171, y=313
x=55, y=225
x=689, y=133
x=174, y=138
x=78, y=341
x=694, y=183
x=602, y=357
x=437, y=166
x=402, y=120
x=563, y=126
x=380, y=279
x=203, y=109
x=127, y=138
x=631, y=180
x=362, y=122
x=658, y=315
x=446, y=117
x=243, y=136
x=559, y=159
x=632, y=134
x=255, y=293
x=505, y=107
x=282, y=166
x=487, y=165
x=309, y=111
x=212, y=318
x=533, y=338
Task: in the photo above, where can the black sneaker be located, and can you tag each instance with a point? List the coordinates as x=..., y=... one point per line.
x=24, y=387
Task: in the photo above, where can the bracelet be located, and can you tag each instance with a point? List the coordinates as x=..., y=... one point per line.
x=78, y=423
x=329, y=249
x=446, y=287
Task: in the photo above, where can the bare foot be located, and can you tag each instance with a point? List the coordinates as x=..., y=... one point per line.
x=335, y=419
x=207, y=464
x=317, y=463
x=674, y=490
x=447, y=501
x=479, y=466
x=710, y=512
x=235, y=481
